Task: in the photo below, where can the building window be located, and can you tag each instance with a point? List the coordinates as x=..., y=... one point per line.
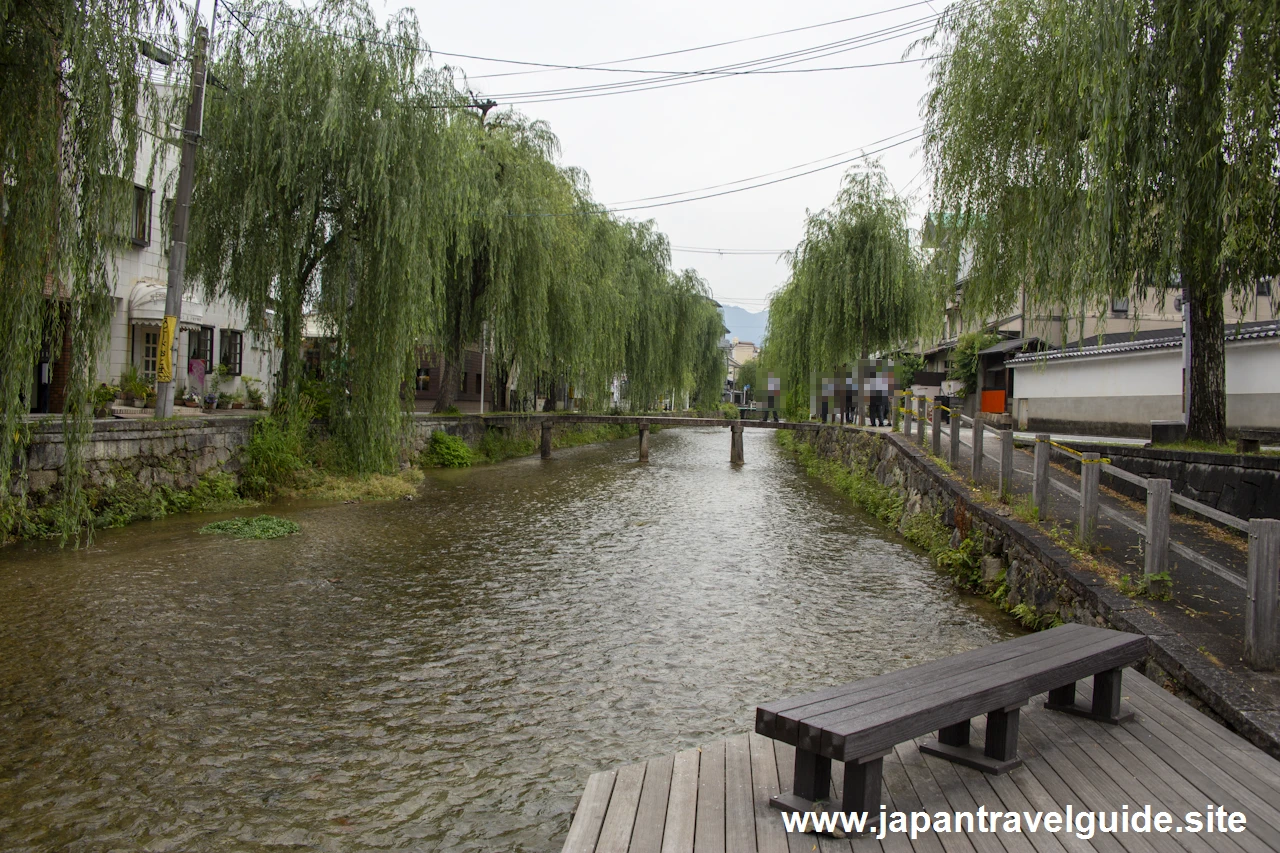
x=424, y=379
x=1120, y=306
x=200, y=345
x=150, y=350
x=231, y=350
x=1264, y=287
x=478, y=380
x=140, y=232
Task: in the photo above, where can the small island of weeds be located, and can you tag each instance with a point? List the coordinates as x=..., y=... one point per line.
x=258, y=527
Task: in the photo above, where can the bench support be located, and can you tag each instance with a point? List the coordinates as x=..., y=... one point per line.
x=999, y=753
x=862, y=781
x=810, y=784
x=1106, y=699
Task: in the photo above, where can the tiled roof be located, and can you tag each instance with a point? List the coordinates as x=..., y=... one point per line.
x=1153, y=340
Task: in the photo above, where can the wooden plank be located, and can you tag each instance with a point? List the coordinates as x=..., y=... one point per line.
x=589, y=816
x=739, y=813
x=1082, y=785
x=905, y=799
x=966, y=789
x=615, y=834
x=1118, y=749
x=651, y=814
x=771, y=837
x=929, y=797
x=1050, y=791
x=677, y=837
x=786, y=758
x=1116, y=783
x=708, y=836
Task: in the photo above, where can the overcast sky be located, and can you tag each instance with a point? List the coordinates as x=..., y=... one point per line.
x=716, y=130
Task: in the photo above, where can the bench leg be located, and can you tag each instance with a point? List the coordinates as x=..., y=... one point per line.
x=1106, y=699
x=1002, y=735
x=811, y=783
x=862, y=789
x=999, y=753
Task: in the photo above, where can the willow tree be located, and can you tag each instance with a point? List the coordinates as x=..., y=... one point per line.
x=312, y=195
x=73, y=102
x=1112, y=148
x=856, y=284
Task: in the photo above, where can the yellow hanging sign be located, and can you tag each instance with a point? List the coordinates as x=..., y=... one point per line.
x=164, y=358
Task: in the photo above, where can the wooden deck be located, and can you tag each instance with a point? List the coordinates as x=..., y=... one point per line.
x=1171, y=757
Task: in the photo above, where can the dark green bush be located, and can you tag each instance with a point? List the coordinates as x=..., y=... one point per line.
x=446, y=451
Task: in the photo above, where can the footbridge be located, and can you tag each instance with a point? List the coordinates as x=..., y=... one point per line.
x=644, y=422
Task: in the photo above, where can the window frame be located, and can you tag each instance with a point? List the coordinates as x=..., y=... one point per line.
x=231, y=351
x=151, y=342
x=141, y=216
x=1120, y=306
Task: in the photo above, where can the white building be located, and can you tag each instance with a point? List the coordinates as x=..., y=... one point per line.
x=1119, y=388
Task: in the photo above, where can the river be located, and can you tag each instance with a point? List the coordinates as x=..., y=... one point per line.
x=441, y=674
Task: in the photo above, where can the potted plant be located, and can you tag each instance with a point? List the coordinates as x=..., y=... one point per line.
x=237, y=399
x=149, y=401
x=134, y=386
x=253, y=393
x=103, y=396
x=212, y=382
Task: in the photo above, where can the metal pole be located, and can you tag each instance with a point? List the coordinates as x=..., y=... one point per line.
x=168, y=349
x=1260, y=609
x=1090, y=471
x=1186, y=357
x=1040, y=484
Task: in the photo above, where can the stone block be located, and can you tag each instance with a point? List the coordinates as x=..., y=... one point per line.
x=41, y=481
x=992, y=569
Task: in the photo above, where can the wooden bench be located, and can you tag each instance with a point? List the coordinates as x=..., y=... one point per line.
x=861, y=722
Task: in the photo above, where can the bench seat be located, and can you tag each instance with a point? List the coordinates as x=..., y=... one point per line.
x=860, y=722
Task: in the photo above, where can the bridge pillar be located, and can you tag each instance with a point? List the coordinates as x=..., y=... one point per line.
x=546, y=439
x=735, y=444
x=644, y=442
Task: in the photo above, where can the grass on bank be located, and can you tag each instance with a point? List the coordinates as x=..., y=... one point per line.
x=1194, y=446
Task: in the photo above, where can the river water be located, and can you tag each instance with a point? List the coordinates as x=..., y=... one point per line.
x=441, y=674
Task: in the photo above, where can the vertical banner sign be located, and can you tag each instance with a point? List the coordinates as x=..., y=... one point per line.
x=164, y=356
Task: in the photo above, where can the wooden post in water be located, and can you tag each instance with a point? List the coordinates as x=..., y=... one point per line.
x=937, y=429
x=1090, y=471
x=644, y=442
x=922, y=417
x=977, y=449
x=546, y=439
x=1006, y=463
x=1260, y=587
x=1040, y=483
x=955, y=423
x=1157, y=544
x=735, y=444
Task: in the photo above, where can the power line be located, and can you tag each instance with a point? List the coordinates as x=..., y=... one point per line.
x=551, y=67
x=700, y=250
x=769, y=174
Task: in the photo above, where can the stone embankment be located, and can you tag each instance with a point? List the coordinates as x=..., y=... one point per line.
x=1030, y=569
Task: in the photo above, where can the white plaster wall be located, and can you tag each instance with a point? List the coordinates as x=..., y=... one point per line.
x=1152, y=373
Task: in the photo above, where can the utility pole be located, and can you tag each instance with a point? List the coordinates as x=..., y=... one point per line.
x=484, y=333
x=168, y=350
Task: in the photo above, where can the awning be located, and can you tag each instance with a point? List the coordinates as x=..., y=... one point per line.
x=146, y=304
x=1018, y=344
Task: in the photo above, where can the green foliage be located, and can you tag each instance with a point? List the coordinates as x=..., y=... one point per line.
x=133, y=384
x=496, y=446
x=926, y=531
x=964, y=365
x=963, y=563
x=446, y=451
x=907, y=365
x=277, y=449
x=253, y=392
x=856, y=287
x=730, y=411
x=1084, y=151
x=104, y=395
x=856, y=483
x=748, y=379
x=258, y=527
x=1025, y=510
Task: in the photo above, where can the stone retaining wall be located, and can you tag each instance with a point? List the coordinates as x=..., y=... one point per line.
x=1043, y=576
x=171, y=453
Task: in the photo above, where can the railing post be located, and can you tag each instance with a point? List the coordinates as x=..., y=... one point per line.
x=921, y=417
x=1040, y=485
x=1090, y=471
x=1260, y=587
x=906, y=415
x=937, y=429
x=644, y=442
x=735, y=444
x=546, y=439
x=955, y=424
x=977, y=449
x=1006, y=463
x=1157, y=544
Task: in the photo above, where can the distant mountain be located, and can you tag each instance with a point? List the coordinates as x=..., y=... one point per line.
x=745, y=325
